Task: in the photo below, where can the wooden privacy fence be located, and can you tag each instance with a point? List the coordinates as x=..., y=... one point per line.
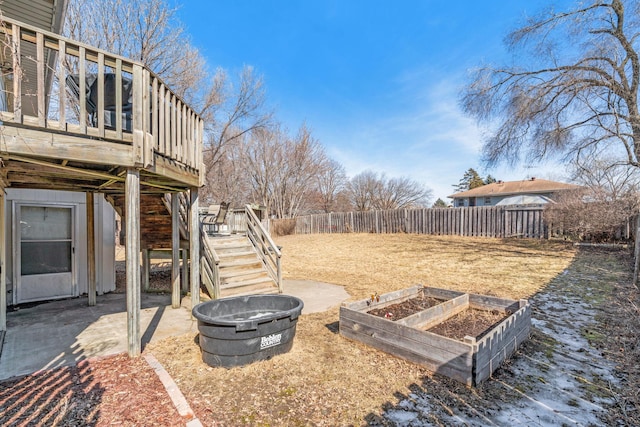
x=490, y=221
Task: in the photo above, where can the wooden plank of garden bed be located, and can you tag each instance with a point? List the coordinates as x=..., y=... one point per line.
x=385, y=299
x=439, y=313
x=501, y=343
x=438, y=293
x=485, y=302
x=437, y=353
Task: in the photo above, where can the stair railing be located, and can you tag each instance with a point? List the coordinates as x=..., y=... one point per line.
x=266, y=248
x=209, y=259
x=209, y=265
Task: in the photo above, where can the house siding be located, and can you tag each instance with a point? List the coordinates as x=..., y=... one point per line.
x=490, y=200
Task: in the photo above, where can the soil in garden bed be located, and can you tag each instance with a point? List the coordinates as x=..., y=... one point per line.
x=405, y=308
x=470, y=322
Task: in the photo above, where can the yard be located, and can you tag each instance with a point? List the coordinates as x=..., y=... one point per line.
x=328, y=380
x=580, y=366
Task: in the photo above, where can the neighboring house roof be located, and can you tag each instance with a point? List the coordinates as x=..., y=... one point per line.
x=509, y=188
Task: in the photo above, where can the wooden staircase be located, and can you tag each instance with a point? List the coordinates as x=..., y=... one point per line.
x=242, y=272
x=231, y=265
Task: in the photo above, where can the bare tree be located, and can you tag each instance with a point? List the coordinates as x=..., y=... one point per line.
x=145, y=30
x=149, y=31
x=591, y=214
x=362, y=188
x=234, y=110
x=578, y=90
x=262, y=158
x=229, y=180
x=604, y=175
x=575, y=91
x=330, y=182
x=370, y=190
x=283, y=169
x=601, y=210
x=304, y=158
x=400, y=193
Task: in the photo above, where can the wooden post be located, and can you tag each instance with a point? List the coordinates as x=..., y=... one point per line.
x=194, y=246
x=146, y=268
x=17, y=69
x=175, y=251
x=42, y=119
x=132, y=217
x=3, y=270
x=185, y=270
x=137, y=118
x=91, y=251
x=62, y=92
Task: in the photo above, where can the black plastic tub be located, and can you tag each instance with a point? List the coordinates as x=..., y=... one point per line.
x=237, y=331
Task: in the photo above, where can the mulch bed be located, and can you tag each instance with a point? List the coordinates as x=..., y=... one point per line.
x=115, y=390
x=470, y=322
x=406, y=308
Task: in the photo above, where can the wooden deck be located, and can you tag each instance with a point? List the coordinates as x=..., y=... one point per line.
x=78, y=118
x=54, y=138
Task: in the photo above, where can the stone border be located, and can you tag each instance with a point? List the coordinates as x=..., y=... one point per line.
x=174, y=392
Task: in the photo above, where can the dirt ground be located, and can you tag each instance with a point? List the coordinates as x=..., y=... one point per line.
x=328, y=380
x=404, y=309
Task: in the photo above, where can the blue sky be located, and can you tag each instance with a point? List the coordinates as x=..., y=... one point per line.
x=376, y=81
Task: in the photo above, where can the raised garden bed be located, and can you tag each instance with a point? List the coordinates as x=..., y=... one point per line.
x=464, y=336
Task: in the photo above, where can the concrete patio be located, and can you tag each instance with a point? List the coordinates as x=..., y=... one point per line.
x=64, y=332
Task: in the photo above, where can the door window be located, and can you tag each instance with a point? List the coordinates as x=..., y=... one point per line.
x=45, y=240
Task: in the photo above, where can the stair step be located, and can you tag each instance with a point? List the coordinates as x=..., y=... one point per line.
x=234, y=276
x=253, y=282
x=236, y=249
x=224, y=255
x=239, y=263
x=247, y=281
x=216, y=241
x=249, y=291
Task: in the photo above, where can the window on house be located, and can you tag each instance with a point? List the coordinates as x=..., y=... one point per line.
x=487, y=201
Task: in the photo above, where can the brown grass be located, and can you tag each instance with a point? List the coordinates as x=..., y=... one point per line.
x=368, y=263
x=326, y=379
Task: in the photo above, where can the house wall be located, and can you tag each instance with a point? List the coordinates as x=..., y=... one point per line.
x=488, y=201
x=104, y=235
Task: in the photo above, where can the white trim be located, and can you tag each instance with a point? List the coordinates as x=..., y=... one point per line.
x=15, y=227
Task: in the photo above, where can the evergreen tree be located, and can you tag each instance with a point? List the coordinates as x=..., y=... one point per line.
x=470, y=180
x=439, y=204
x=489, y=180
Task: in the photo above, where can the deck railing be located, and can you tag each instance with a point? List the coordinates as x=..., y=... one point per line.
x=54, y=83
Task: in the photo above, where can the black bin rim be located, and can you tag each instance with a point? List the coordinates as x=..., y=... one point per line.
x=248, y=324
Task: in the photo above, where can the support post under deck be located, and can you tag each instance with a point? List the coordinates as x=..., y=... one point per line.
x=91, y=251
x=3, y=270
x=132, y=216
x=175, y=251
x=194, y=246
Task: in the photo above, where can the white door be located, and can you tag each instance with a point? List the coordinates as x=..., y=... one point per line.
x=44, y=252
